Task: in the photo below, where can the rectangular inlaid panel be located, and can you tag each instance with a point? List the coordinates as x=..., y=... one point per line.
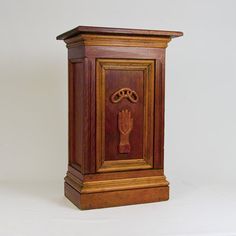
x=76, y=110
x=115, y=79
x=124, y=102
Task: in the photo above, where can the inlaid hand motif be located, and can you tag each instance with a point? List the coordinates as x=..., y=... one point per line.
x=125, y=125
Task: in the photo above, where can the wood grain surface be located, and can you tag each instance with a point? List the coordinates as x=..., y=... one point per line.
x=116, y=116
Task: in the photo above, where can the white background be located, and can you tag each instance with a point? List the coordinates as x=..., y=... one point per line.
x=200, y=140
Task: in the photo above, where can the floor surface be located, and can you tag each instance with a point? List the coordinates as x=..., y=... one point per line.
x=41, y=209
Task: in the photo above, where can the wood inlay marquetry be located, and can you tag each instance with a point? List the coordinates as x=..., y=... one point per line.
x=142, y=135
x=125, y=124
x=131, y=95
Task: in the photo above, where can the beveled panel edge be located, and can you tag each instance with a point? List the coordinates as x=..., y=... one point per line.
x=115, y=184
x=147, y=66
x=122, y=165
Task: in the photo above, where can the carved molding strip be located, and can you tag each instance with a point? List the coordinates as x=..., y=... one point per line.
x=125, y=125
x=124, y=93
x=115, y=40
x=117, y=184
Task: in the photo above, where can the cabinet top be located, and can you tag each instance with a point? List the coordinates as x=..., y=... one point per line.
x=118, y=31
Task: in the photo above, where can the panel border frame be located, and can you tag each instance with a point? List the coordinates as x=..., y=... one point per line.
x=148, y=68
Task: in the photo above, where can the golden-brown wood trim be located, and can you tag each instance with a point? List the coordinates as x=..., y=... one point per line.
x=114, y=40
x=116, y=184
x=123, y=165
x=122, y=93
x=73, y=181
x=149, y=118
x=99, y=116
x=146, y=161
x=120, y=174
x=87, y=201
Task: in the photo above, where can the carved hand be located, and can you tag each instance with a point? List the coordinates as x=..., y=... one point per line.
x=125, y=125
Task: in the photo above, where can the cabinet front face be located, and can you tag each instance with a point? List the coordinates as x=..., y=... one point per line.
x=124, y=114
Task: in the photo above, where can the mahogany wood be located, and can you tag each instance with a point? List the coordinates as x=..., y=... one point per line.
x=117, y=31
x=116, y=116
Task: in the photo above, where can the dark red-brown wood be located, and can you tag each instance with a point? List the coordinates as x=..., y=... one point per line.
x=117, y=146
x=117, y=31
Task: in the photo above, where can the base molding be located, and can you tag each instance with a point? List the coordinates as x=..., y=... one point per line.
x=110, y=193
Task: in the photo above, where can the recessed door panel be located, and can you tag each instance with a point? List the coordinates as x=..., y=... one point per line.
x=124, y=111
x=119, y=85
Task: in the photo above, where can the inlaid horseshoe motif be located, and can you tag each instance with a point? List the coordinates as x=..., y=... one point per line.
x=124, y=93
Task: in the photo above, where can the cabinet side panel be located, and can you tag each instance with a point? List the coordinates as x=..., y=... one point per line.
x=76, y=73
x=159, y=114
x=88, y=116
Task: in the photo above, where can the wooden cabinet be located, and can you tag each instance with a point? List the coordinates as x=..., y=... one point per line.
x=116, y=116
